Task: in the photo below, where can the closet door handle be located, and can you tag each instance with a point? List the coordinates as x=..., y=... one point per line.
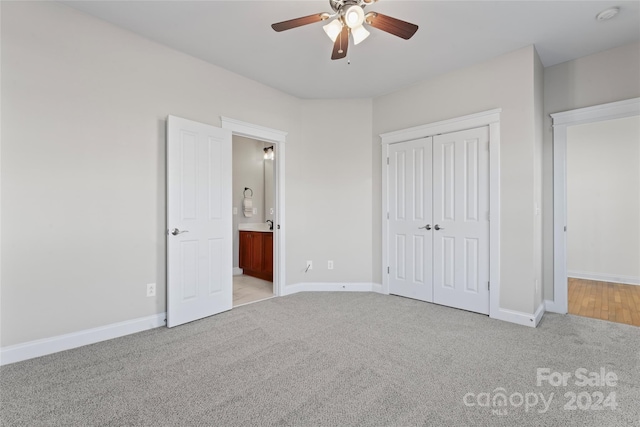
x=426, y=227
x=437, y=227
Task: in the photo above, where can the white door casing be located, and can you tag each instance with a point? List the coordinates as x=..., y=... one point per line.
x=410, y=238
x=199, y=239
x=490, y=118
x=278, y=138
x=461, y=219
x=562, y=120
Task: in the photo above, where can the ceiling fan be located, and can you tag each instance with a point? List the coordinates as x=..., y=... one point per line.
x=350, y=19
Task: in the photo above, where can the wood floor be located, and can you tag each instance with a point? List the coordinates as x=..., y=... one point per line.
x=607, y=301
x=248, y=289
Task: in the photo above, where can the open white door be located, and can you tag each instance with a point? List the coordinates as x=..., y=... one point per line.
x=199, y=239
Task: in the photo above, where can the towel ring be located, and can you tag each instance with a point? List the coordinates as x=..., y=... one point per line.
x=245, y=192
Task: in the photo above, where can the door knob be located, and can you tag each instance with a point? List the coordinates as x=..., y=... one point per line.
x=175, y=231
x=437, y=227
x=426, y=227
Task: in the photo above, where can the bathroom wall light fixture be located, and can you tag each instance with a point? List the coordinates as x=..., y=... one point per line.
x=268, y=153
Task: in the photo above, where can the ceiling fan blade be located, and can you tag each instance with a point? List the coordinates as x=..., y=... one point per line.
x=341, y=44
x=391, y=25
x=299, y=22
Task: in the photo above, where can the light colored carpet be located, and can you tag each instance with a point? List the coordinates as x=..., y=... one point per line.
x=331, y=359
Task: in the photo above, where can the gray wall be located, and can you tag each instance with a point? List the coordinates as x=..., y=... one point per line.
x=84, y=106
x=505, y=82
x=612, y=75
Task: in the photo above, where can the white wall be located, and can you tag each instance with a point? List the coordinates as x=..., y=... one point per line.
x=248, y=171
x=604, y=77
x=603, y=200
x=84, y=106
x=505, y=82
x=329, y=217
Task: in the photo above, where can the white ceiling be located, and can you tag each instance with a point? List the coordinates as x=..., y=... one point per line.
x=236, y=35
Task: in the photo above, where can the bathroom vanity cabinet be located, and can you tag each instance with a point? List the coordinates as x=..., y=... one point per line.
x=256, y=254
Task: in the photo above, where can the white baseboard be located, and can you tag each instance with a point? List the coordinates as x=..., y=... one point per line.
x=627, y=280
x=539, y=313
x=42, y=347
x=328, y=287
x=521, y=318
x=237, y=271
x=552, y=307
x=377, y=287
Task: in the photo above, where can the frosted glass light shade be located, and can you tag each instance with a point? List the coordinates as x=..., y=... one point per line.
x=354, y=17
x=359, y=33
x=332, y=29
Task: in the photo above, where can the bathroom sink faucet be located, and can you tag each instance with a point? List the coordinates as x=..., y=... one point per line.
x=270, y=224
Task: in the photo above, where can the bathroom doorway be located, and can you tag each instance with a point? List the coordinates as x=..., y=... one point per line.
x=267, y=201
x=254, y=213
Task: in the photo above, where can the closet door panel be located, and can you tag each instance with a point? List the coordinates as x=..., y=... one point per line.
x=461, y=219
x=410, y=212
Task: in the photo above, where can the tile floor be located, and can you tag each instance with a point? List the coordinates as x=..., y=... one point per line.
x=249, y=289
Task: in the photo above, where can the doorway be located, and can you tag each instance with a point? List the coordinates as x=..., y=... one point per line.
x=595, y=248
x=277, y=139
x=253, y=198
x=603, y=187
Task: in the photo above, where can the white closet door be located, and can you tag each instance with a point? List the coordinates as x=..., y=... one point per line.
x=461, y=219
x=410, y=241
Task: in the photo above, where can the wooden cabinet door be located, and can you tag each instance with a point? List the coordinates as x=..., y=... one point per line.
x=245, y=250
x=268, y=254
x=256, y=254
x=256, y=251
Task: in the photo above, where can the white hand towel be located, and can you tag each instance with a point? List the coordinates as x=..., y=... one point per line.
x=247, y=207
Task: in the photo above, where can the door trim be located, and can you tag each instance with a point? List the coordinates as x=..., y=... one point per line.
x=489, y=118
x=562, y=120
x=278, y=138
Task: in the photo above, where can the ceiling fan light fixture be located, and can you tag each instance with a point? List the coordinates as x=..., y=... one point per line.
x=354, y=16
x=333, y=29
x=359, y=34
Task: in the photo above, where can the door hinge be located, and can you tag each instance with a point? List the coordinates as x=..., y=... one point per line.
x=387, y=160
x=565, y=228
x=387, y=270
x=387, y=215
x=488, y=286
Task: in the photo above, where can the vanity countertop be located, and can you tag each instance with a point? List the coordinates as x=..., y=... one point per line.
x=255, y=226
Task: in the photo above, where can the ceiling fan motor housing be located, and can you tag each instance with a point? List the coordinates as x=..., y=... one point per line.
x=342, y=5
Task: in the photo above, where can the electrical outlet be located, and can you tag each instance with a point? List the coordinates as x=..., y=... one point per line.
x=271, y=211
x=309, y=265
x=151, y=289
x=255, y=211
x=330, y=265
x=235, y=211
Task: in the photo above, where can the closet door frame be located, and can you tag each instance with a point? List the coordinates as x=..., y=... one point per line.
x=489, y=118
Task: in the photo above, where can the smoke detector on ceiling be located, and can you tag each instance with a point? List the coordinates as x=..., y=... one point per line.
x=607, y=14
